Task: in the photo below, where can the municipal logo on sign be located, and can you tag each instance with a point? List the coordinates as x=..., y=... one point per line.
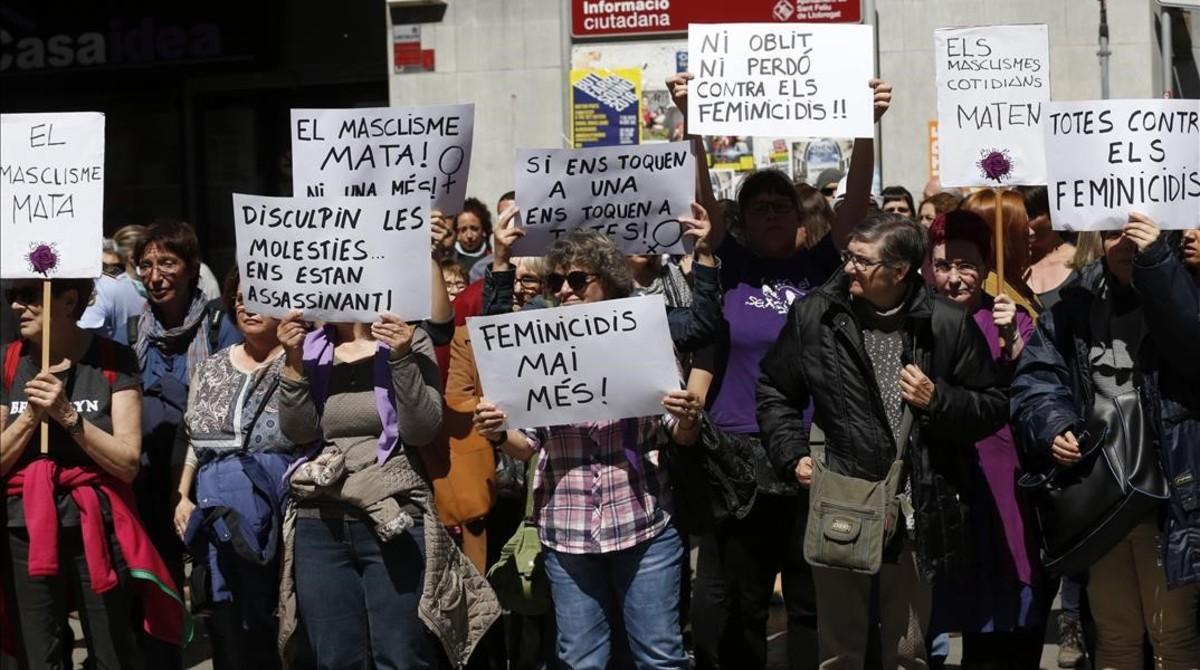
x=783, y=10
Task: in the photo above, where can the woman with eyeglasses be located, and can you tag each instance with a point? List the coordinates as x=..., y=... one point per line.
x=1124, y=335
x=1002, y=612
x=773, y=266
x=236, y=458
x=73, y=539
x=178, y=329
x=624, y=560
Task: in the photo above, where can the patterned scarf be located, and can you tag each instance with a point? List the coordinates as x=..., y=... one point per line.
x=192, y=333
x=318, y=367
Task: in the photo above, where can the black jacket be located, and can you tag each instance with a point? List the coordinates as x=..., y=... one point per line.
x=820, y=358
x=1053, y=390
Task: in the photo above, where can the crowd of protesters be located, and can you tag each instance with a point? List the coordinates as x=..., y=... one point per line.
x=337, y=495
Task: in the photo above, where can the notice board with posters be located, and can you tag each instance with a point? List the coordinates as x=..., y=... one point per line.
x=613, y=18
x=606, y=108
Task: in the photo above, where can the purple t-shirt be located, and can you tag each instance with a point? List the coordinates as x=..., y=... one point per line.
x=758, y=294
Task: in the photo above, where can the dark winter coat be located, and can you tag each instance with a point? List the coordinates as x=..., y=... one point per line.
x=820, y=357
x=1053, y=389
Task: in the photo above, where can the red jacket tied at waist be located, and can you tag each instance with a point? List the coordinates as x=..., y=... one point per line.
x=37, y=483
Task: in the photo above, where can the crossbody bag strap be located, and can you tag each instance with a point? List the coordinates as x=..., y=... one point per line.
x=902, y=435
x=530, y=472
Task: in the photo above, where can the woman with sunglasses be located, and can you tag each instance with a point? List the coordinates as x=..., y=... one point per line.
x=692, y=326
x=73, y=538
x=626, y=559
x=236, y=458
x=1125, y=333
x=176, y=331
x=762, y=276
x=1003, y=613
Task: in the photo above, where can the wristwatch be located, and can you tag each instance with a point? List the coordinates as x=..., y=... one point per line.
x=499, y=439
x=76, y=427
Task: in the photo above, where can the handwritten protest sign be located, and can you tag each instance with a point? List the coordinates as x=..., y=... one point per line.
x=991, y=84
x=384, y=151
x=335, y=259
x=592, y=362
x=1106, y=158
x=636, y=195
x=781, y=80
x=51, y=195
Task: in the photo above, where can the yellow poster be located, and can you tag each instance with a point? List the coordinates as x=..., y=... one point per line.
x=606, y=107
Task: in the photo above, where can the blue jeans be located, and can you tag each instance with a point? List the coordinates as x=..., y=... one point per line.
x=641, y=582
x=358, y=597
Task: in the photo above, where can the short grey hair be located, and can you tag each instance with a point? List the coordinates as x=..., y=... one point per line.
x=903, y=240
x=594, y=251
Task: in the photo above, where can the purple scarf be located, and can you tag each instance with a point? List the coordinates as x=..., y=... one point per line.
x=318, y=366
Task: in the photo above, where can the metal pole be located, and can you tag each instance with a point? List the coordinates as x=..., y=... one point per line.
x=1104, y=52
x=869, y=18
x=565, y=51
x=1168, y=52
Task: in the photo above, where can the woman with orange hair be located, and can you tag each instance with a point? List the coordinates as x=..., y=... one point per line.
x=1016, y=243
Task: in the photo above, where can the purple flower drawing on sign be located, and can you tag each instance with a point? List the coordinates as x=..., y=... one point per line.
x=43, y=258
x=995, y=164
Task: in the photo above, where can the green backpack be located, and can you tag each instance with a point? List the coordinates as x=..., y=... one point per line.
x=519, y=576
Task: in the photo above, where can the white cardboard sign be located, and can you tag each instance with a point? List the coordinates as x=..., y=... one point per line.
x=992, y=82
x=385, y=152
x=334, y=259
x=781, y=79
x=634, y=194
x=1107, y=158
x=51, y=195
x=590, y=362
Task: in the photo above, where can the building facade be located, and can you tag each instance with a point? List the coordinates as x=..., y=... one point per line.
x=517, y=59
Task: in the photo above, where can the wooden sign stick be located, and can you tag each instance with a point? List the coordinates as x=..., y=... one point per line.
x=999, y=242
x=45, y=355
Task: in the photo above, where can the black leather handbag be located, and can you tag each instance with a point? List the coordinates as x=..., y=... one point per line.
x=1085, y=509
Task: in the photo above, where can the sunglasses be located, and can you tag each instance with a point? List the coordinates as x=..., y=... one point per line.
x=530, y=282
x=964, y=268
x=25, y=295
x=577, y=280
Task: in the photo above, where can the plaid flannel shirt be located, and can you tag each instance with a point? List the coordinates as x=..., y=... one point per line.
x=597, y=488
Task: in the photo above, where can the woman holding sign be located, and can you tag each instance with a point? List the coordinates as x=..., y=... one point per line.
x=73, y=536
x=627, y=557
x=366, y=564
x=762, y=276
x=1002, y=612
x=236, y=457
x=1124, y=336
